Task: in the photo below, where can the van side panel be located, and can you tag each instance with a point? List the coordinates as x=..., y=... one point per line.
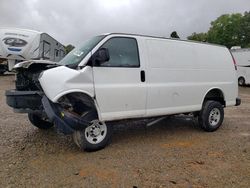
x=179, y=74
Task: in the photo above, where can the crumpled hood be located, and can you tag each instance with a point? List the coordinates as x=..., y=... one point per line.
x=27, y=64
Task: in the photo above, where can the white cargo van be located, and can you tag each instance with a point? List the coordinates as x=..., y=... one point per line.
x=242, y=58
x=18, y=45
x=118, y=77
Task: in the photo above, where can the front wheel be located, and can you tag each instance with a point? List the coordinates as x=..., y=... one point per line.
x=39, y=122
x=94, y=137
x=211, y=116
x=3, y=69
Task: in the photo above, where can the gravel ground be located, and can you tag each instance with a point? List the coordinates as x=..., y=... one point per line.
x=172, y=153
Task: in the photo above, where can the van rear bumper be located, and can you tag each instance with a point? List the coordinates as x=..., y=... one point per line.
x=238, y=101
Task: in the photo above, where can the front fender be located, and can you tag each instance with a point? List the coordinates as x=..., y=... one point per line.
x=62, y=80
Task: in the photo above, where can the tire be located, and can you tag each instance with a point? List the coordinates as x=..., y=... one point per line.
x=241, y=81
x=95, y=137
x=3, y=69
x=38, y=122
x=211, y=116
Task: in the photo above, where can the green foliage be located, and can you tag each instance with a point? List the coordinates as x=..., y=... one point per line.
x=225, y=30
x=198, y=37
x=245, y=30
x=229, y=30
x=174, y=35
x=69, y=47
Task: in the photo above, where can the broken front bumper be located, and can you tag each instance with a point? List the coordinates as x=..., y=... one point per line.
x=65, y=121
x=24, y=101
x=36, y=102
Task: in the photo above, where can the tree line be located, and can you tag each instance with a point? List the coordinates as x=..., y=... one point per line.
x=68, y=48
x=228, y=30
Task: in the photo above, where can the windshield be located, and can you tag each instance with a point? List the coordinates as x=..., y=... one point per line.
x=77, y=54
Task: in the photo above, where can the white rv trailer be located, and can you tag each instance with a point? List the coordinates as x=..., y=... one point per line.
x=18, y=45
x=242, y=58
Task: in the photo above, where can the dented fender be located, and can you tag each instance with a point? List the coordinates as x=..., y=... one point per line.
x=62, y=80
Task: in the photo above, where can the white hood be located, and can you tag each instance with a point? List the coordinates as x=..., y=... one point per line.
x=26, y=64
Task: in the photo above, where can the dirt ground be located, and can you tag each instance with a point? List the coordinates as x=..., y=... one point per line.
x=172, y=153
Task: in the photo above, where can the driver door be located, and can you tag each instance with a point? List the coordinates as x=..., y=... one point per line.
x=119, y=86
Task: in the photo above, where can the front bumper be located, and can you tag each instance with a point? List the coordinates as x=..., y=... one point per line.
x=36, y=101
x=26, y=101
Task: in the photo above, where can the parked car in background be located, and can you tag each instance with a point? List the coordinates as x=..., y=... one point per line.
x=116, y=77
x=18, y=45
x=242, y=58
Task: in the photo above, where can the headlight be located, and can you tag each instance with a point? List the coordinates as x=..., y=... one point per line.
x=40, y=75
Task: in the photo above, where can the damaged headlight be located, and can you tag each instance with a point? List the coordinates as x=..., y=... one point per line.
x=40, y=75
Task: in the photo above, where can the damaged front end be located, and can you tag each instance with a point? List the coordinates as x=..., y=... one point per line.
x=70, y=113
x=66, y=117
x=26, y=97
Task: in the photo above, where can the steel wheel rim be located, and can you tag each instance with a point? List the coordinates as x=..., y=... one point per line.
x=214, y=117
x=96, y=132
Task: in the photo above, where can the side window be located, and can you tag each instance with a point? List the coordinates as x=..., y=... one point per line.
x=46, y=49
x=123, y=52
x=56, y=53
x=62, y=54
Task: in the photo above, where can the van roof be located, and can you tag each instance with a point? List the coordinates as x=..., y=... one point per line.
x=140, y=35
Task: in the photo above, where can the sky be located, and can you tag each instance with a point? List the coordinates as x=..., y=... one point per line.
x=72, y=22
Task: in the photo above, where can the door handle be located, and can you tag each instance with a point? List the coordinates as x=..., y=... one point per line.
x=143, y=78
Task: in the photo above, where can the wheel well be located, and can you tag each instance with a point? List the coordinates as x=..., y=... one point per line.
x=215, y=95
x=79, y=103
x=241, y=77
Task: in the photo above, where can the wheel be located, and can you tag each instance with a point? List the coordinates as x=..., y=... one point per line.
x=94, y=137
x=241, y=81
x=211, y=116
x=38, y=122
x=3, y=69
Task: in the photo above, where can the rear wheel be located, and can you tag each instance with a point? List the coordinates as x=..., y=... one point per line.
x=39, y=122
x=94, y=137
x=211, y=116
x=241, y=81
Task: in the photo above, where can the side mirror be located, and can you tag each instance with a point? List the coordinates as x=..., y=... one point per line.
x=101, y=56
